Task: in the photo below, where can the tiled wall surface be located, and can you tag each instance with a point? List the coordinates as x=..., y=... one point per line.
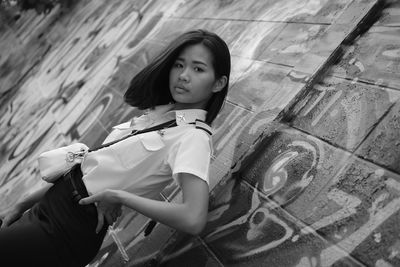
x=305, y=171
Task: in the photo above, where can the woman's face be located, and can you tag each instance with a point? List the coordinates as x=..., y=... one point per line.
x=192, y=78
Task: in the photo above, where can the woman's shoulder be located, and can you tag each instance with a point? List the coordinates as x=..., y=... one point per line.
x=197, y=131
x=193, y=136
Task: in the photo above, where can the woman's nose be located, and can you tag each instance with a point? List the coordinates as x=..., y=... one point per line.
x=184, y=75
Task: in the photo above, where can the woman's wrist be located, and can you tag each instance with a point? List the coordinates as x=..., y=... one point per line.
x=117, y=196
x=22, y=206
x=30, y=200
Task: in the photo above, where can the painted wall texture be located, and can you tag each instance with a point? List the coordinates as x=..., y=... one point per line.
x=306, y=167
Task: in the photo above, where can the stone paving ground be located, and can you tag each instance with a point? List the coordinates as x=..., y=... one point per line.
x=305, y=170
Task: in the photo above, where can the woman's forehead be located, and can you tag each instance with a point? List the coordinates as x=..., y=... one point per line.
x=197, y=53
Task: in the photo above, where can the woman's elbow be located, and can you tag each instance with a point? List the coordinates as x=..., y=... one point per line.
x=197, y=229
x=195, y=225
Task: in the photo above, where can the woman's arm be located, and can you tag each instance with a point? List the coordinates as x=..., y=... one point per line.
x=34, y=197
x=190, y=216
x=16, y=212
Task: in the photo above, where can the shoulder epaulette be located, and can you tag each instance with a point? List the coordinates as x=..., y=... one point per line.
x=204, y=126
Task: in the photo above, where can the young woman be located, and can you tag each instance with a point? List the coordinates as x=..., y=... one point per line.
x=183, y=89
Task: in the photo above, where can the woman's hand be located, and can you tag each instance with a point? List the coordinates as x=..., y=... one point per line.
x=25, y=204
x=13, y=215
x=107, y=206
x=190, y=216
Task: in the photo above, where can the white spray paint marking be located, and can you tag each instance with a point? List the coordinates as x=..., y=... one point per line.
x=255, y=228
x=395, y=250
x=348, y=205
x=393, y=95
x=283, y=10
x=393, y=184
x=378, y=202
x=217, y=213
x=248, y=43
x=331, y=254
x=233, y=132
x=288, y=233
x=308, y=147
x=360, y=66
x=321, y=95
x=327, y=107
x=382, y=263
x=304, y=262
x=377, y=237
x=354, y=81
x=308, y=262
x=394, y=53
x=334, y=112
x=262, y=122
x=379, y=82
x=255, y=203
x=379, y=172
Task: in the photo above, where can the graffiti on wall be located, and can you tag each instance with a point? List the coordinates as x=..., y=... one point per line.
x=300, y=198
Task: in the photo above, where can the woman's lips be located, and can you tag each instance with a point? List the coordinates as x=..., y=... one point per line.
x=180, y=89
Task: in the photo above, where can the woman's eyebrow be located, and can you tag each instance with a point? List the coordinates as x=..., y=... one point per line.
x=200, y=62
x=194, y=61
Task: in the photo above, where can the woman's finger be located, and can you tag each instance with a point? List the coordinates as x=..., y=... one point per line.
x=5, y=223
x=118, y=210
x=109, y=218
x=100, y=221
x=88, y=200
x=113, y=217
x=9, y=220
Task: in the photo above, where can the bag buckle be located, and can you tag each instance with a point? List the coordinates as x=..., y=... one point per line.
x=71, y=156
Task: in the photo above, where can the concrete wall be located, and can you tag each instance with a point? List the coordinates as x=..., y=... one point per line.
x=305, y=169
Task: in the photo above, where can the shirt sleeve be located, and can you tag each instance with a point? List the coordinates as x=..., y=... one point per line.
x=192, y=155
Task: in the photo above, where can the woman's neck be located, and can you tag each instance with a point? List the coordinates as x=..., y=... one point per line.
x=180, y=106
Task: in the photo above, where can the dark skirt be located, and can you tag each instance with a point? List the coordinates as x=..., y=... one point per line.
x=57, y=231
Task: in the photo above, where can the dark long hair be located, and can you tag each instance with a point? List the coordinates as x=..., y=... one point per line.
x=149, y=87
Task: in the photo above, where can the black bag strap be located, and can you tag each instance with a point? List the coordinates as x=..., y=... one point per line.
x=161, y=126
x=199, y=124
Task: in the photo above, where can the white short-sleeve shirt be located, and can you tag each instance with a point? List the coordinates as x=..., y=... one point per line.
x=145, y=163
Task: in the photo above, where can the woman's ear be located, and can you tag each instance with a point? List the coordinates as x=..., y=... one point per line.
x=220, y=84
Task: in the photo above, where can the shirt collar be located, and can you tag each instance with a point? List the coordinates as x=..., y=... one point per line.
x=185, y=116
x=162, y=114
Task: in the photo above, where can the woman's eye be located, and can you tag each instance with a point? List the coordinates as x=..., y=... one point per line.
x=197, y=69
x=178, y=65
